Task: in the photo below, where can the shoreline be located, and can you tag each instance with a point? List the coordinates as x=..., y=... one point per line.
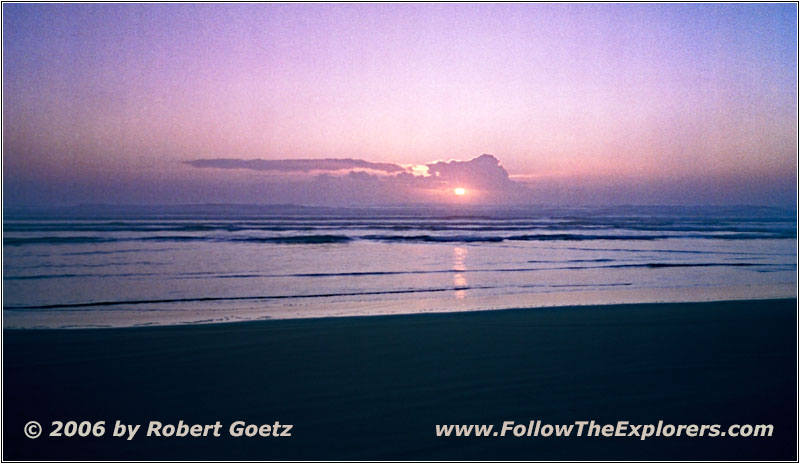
x=349, y=309
x=374, y=387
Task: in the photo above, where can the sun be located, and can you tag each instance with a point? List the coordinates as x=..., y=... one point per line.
x=459, y=191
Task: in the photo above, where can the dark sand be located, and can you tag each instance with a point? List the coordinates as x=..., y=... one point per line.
x=374, y=387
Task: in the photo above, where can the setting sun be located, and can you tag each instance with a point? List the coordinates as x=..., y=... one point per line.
x=459, y=191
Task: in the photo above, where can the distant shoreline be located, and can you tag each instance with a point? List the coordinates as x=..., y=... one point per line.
x=100, y=211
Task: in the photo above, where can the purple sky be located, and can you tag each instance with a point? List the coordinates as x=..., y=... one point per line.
x=580, y=103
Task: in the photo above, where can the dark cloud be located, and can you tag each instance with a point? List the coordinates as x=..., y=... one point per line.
x=482, y=172
x=295, y=165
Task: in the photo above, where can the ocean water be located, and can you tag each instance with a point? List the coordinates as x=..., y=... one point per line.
x=113, y=266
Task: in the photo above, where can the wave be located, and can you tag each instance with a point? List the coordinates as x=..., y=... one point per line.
x=542, y=224
x=86, y=265
x=433, y=238
x=296, y=239
x=17, y=241
x=656, y=265
x=693, y=252
x=310, y=239
x=556, y=237
x=96, y=304
x=102, y=305
x=666, y=265
x=214, y=275
x=82, y=276
x=114, y=252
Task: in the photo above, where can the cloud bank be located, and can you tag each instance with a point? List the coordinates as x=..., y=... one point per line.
x=295, y=165
x=484, y=179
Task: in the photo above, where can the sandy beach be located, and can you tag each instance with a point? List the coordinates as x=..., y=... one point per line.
x=375, y=387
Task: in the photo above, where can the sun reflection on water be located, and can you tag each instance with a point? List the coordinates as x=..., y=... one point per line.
x=460, y=279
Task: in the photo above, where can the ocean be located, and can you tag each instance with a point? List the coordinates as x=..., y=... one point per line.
x=102, y=266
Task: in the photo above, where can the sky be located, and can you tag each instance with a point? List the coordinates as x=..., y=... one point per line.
x=397, y=103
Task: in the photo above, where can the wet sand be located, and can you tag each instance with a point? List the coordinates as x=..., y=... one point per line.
x=375, y=387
